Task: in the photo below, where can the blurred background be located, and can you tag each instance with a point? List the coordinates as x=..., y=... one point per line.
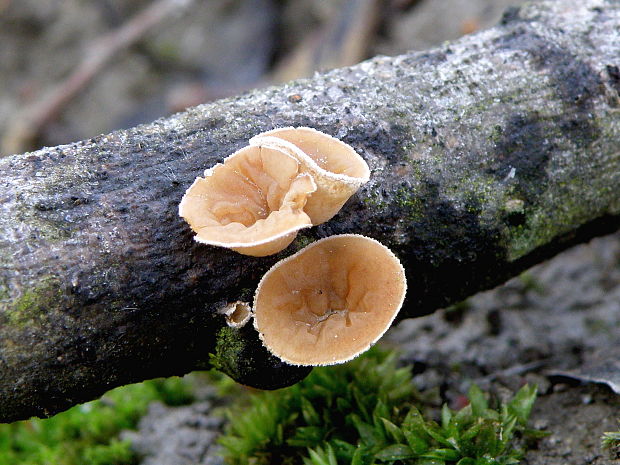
x=73, y=69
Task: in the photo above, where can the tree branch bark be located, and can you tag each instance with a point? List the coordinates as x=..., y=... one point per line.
x=488, y=155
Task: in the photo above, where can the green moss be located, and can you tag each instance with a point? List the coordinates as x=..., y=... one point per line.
x=406, y=198
x=302, y=241
x=34, y=303
x=367, y=412
x=375, y=200
x=228, y=348
x=611, y=442
x=481, y=190
x=546, y=222
x=41, y=222
x=246, y=294
x=88, y=433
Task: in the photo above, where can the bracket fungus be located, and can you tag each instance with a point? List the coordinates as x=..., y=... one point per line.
x=252, y=203
x=336, y=167
x=260, y=196
x=330, y=301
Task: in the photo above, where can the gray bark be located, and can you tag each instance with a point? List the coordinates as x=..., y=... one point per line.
x=488, y=155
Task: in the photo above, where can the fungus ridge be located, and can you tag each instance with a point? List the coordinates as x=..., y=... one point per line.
x=338, y=170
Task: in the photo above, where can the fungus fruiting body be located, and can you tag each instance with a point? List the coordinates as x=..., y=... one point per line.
x=330, y=301
x=252, y=202
x=335, y=166
x=237, y=314
x=260, y=196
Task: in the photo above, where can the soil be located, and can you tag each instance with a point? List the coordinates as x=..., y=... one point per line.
x=553, y=326
x=178, y=435
x=576, y=416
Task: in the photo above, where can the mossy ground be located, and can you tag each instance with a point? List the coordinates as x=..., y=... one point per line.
x=367, y=412
x=88, y=433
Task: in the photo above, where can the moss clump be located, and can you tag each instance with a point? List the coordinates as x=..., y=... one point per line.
x=88, y=433
x=229, y=345
x=611, y=442
x=33, y=304
x=364, y=413
x=302, y=241
x=375, y=200
x=43, y=224
x=240, y=354
x=541, y=227
x=405, y=198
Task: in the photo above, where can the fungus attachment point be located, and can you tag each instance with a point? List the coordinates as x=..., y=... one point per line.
x=336, y=167
x=330, y=301
x=237, y=314
x=252, y=203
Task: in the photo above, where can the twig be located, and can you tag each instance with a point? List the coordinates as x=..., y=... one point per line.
x=343, y=41
x=28, y=123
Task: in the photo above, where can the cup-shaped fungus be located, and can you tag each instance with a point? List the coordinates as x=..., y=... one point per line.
x=252, y=203
x=336, y=167
x=330, y=301
x=237, y=314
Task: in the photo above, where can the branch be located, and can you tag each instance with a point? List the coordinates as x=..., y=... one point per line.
x=488, y=155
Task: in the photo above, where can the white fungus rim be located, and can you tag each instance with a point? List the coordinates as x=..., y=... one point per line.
x=267, y=139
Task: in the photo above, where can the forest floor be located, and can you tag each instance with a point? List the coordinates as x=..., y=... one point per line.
x=556, y=326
